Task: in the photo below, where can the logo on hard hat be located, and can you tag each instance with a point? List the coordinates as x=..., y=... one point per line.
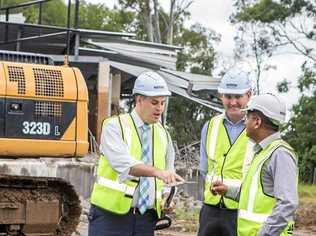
x=231, y=85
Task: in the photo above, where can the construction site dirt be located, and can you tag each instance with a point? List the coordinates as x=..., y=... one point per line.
x=305, y=221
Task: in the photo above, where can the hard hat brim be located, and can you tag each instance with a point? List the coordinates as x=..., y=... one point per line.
x=233, y=91
x=152, y=94
x=274, y=121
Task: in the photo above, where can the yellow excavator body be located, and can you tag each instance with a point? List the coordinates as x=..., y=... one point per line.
x=43, y=110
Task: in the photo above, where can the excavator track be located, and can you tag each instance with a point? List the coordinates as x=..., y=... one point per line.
x=37, y=206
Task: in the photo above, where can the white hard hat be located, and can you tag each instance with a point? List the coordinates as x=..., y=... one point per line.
x=235, y=81
x=270, y=105
x=151, y=84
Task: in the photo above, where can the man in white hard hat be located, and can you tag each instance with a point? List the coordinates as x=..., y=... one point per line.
x=268, y=197
x=225, y=151
x=137, y=159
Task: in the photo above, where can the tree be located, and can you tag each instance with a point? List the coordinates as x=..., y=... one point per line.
x=301, y=129
x=54, y=12
x=291, y=23
x=149, y=12
x=254, y=43
x=91, y=16
x=198, y=55
x=100, y=17
x=287, y=22
x=252, y=40
x=177, y=8
x=186, y=117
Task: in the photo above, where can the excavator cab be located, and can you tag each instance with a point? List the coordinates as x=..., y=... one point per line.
x=43, y=111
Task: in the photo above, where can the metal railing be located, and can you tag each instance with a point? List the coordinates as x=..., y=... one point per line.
x=40, y=3
x=25, y=57
x=27, y=4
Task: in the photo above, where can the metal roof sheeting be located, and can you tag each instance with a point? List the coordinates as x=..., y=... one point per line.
x=197, y=81
x=156, y=56
x=176, y=84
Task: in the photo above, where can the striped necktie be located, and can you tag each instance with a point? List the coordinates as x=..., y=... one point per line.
x=143, y=201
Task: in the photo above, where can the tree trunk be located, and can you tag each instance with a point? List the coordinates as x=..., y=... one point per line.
x=148, y=20
x=171, y=22
x=157, y=36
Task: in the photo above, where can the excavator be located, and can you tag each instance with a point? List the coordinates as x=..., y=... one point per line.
x=43, y=113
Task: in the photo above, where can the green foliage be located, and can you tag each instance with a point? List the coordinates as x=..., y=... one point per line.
x=265, y=11
x=53, y=12
x=301, y=129
x=100, y=17
x=307, y=191
x=186, y=117
x=283, y=86
x=91, y=16
x=268, y=11
x=198, y=55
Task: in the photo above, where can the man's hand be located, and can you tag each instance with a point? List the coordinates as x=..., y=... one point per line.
x=218, y=187
x=168, y=177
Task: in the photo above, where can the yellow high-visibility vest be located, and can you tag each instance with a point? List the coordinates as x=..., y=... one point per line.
x=254, y=205
x=226, y=162
x=108, y=193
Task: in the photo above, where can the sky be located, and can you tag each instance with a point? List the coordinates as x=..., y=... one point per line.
x=214, y=14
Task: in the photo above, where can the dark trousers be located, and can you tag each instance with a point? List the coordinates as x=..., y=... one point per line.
x=216, y=221
x=105, y=223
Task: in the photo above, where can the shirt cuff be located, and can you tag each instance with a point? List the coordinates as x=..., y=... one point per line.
x=269, y=230
x=124, y=175
x=232, y=193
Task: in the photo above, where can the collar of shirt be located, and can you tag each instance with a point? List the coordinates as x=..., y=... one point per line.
x=138, y=121
x=265, y=142
x=226, y=119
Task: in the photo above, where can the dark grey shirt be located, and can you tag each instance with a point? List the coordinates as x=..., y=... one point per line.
x=279, y=179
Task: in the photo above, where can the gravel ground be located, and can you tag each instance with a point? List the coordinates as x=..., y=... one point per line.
x=82, y=230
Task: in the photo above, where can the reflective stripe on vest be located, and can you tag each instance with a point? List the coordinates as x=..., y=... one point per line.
x=226, y=162
x=254, y=205
x=124, y=188
x=108, y=193
x=259, y=218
